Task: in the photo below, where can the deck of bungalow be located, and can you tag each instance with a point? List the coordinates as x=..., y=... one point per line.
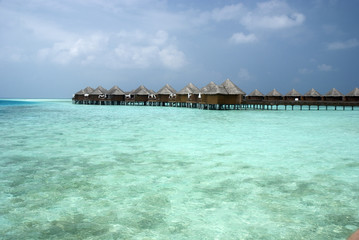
x=226, y=96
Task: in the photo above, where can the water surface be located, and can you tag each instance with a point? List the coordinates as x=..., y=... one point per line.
x=134, y=172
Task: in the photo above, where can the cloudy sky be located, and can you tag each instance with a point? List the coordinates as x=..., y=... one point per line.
x=51, y=49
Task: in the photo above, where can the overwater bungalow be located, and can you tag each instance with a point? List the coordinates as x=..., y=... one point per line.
x=98, y=96
x=188, y=95
x=152, y=98
x=333, y=95
x=273, y=95
x=224, y=96
x=166, y=94
x=292, y=95
x=235, y=94
x=80, y=95
x=116, y=96
x=312, y=95
x=256, y=95
x=152, y=95
x=353, y=96
x=139, y=96
x=213, y=94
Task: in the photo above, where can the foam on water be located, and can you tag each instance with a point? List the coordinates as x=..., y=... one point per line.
x=124, y=172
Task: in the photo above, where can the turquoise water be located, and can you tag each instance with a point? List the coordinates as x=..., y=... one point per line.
x=133, y=172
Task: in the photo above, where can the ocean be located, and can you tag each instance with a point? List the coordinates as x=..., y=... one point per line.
x=139, y=172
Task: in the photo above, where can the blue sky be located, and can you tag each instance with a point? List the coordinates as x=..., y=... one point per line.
x=51, y=49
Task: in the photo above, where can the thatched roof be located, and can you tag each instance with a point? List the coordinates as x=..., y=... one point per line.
x=165, y=91
x=293, y=93
x=312, y=93
x=213, y=89
x=231, y=88
x=152, y=92
x=99, y=91
x=88, y=90
x=115, y=90
x=274, y=93
x=333, y=93
x=256, y=93
x=354, y=93
x=170, y=88
x=193, y=88
x=141, y=90
x=185, y=90
x=81, y=92
x=190, y=88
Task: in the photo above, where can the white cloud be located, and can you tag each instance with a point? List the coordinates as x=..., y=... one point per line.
x=351, y=43
x=272, y=15
x=228, y=12
x=273, y=22
x=305, y=71
x=172, y=58
x=239, y=38
x=269, y=15
x=244, y=75
x=325, y=68
x=125, y=49
x=141, y=50
x=128, y=56
x=64, y=52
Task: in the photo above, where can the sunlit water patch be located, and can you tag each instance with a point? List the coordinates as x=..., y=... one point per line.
x=124, y=172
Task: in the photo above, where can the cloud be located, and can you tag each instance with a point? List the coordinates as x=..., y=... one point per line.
x=351, y=43
x=269, y=15
x=82, y=48
x=172, y=58
x=272, y=15
x=142, y=50
x=244, y=75
x=228, y=12
x=305, y=71
x=273, y=22
x=239, y=38
x=325, y=68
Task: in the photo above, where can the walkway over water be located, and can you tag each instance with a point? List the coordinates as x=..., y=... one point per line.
x=245, y=105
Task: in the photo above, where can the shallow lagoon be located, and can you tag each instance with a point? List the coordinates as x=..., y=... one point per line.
x=133, y=172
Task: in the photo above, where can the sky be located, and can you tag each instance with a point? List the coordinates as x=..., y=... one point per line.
x=53, y=48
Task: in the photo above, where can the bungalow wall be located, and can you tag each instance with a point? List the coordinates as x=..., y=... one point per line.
x=94, y=98
x=352, y=99
x=273, y=98
x=173, y=98
x=79, y=97
x=311, y=98
x=214, y=99
x=202, y=99
x=292, y=98
x=163, y=97
x=193, y=98
x=182, y=98
x=256, y=98
x=339, y=98
x=141, y=98
x=232, y=99
x=118, y=98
